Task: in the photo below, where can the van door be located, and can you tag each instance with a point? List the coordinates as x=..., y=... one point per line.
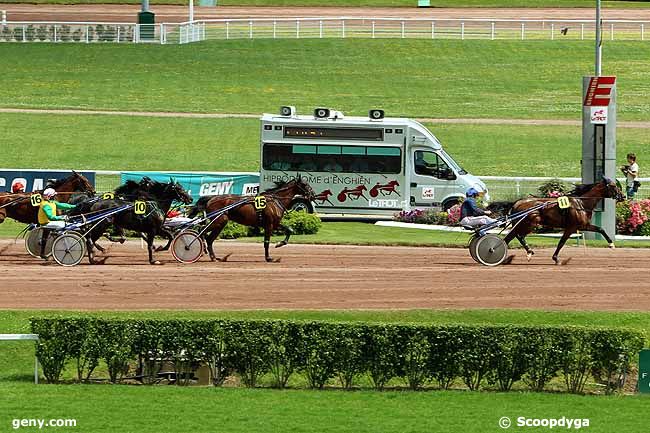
x=432, y=180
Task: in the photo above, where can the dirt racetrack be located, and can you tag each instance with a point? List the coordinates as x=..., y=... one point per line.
x=169, y=14
x=329, y=277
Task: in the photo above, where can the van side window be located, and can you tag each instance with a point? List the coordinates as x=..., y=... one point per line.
x=430, y=164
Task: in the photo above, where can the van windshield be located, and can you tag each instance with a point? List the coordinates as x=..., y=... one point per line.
x=457, y=168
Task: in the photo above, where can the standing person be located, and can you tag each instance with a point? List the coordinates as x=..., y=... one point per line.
x=470, y=214
x=631, y=172
x=47, y=217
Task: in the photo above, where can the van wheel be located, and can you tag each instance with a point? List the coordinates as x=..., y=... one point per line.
x=301, y=205
x=449, y=204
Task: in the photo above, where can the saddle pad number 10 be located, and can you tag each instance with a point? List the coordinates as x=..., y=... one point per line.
x=140, y=207
x=36, y=199
x=260, y=202
x=563, y=202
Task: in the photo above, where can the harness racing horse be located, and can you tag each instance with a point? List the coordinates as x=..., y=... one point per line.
x=269, y=216
x=19, y=206
x=159, y=199
x=583, y=199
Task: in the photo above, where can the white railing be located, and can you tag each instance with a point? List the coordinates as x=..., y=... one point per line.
x=330, y=27
x=88, y=32
x=403, y=28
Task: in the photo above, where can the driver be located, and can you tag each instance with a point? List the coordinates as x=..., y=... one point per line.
x=18, y=188
x=470, y=214
x=47, y=217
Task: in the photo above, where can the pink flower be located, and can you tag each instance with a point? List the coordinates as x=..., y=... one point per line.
x=554, y=194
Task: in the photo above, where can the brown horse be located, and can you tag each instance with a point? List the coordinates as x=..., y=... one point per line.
x=19, y=206
x=255, y=212
x=583, y=199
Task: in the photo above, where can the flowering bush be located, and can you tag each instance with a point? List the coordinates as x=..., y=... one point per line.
x=553, y=188
x=420, y=216
x=632, y=217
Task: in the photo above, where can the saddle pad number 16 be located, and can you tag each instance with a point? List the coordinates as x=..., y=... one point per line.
x=563, y=202
x=36, y=200
x=260, y=202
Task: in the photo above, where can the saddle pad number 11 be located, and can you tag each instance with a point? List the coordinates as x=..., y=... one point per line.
x=36, y=199
x=140, y=207
x=563, y=202
x=260, y=202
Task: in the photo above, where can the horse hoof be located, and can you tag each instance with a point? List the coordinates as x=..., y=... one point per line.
x=508, y=260
x=612, y=246
x=529, y=256
x=156, y=262
x=280, y=244
x=269, y=259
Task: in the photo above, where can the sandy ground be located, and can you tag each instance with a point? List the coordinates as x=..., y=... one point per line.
x=329, y=277
x=127, y=13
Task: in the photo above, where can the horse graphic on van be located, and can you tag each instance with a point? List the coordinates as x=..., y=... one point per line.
x=352, y=194
x=324, y=197
x=386, y=189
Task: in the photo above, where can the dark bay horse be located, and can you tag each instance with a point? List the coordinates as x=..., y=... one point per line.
x=19, y=206
x=268, y=216
x=159, y=198
x=583, y=199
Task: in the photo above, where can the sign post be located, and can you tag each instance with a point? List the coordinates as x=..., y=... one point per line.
x=644, y=372
x=599, y=144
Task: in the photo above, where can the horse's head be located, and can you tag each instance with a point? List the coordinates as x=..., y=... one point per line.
x=80, y=183
x=304, y=189
x=175, y=191
x=146, y=183
x=612, y=190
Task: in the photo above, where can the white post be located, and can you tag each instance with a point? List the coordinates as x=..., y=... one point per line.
x=343, y=28
x=275, y=28
x=227, y=29
x=320, y=29
x=191, y=12
x=462, y=30
x=523, y=31
x=250, y=29
x=402, y=29
x=36, y=370
x=599, y=48
x=373, y=30
x=552, y=31
x=611, y=32
x=492, y=30
x=118, y=34
x=582, y=32
x=4, y=18
x=162, y=33
x=24, y=34
x=54, y=32
x=433, y=29
x=297, y=29
x=87, y=36
x=642, y=32
x=202, y=33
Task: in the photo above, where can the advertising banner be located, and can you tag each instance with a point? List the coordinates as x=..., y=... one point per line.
x=35, y=180
x=200, y=184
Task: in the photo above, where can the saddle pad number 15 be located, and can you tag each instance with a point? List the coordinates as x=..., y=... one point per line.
x=36, y=199
x=563, y=202
x=260, y=202
x=140, y=207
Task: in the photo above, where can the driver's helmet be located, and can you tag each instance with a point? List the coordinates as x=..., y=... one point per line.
x=18, y=187
x=49, y=193
x=472, y=192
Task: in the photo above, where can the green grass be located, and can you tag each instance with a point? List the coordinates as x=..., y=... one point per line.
x=149, y=143
x=416, y=78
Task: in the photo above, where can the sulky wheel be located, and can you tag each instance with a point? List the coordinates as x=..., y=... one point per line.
x=69, y=249
x=472, y=247
x=491, y=250
x=33, y=242
x=187, y=246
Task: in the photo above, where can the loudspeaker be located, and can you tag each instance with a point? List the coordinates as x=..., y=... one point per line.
x=376, y=114
x=322, y=113
x=288, y=111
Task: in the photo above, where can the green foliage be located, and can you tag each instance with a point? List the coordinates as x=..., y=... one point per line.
x=553, y=186
x=497, y=355
x=301, y=222
x=234, y=230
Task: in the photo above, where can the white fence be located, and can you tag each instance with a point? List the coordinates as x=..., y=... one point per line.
x=355, y=27
x=501, y=188
x=332, y=27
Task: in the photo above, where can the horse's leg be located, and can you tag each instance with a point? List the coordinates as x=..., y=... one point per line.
x=288, y=232
x=593, y=228
x=565, y=236
x=169, y=236
x=150, y=236
x=520, y=232
x=267, y=241
x=218, y=226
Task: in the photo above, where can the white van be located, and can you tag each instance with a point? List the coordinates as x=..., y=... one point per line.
x=361, y=165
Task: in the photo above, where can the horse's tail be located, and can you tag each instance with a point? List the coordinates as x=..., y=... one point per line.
x=200, y=206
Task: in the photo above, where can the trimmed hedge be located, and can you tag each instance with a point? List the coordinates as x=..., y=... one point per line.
x=302, y=223
x=479, y=356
